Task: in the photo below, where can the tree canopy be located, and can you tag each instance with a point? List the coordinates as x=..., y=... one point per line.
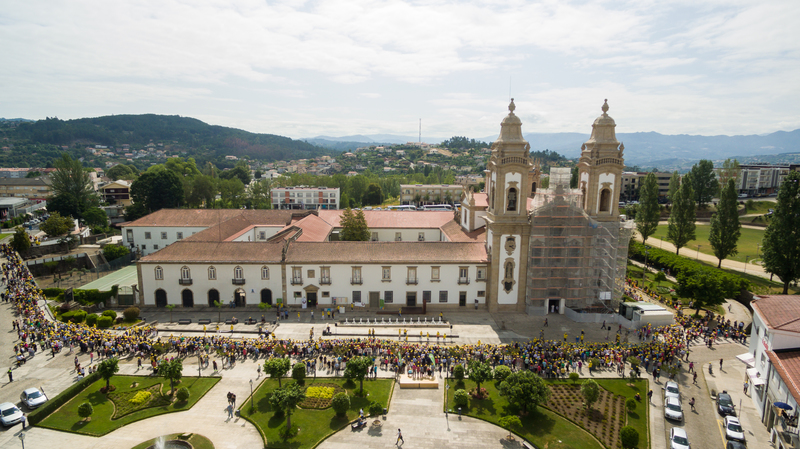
x=157, y=189
x=357, y=368
x=725, y=227
x=525, y=390
x=648, y=213
x=172, y=371
x=277, y=367
x=674, y=185
x=122, y=171
x=479, y=372
x=704, y=182
x=21, y=242
x=72, y=185
x=354, y=226
x=782, y=238
x=287, y=399
x=681, y=225
x=107, y=368
x=729, y=170
x=57, y=225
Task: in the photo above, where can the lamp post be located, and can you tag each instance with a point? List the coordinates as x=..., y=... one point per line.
x=252, y=399
x=698, y=252
x=758, y=247
x=746, y=258
x=646, y=253
x=22, y=439
x=446, y=390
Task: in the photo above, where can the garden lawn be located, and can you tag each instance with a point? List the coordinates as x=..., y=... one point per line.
x=635, y=272
x=746, y=245
x=542, y=427
x=67, y=419
x=315, y=425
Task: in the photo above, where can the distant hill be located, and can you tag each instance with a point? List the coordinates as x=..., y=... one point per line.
x=186, y=133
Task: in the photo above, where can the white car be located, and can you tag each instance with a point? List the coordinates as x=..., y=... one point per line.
x=671, y=390
x=9, y=414
x=32, y=398
x=672, y=409
x=678, y=439
x=733, y=430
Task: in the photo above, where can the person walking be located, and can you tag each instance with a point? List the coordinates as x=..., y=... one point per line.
x=399, y=438
x=691, y=403
x=10, y=375
x=694, y=378
x=650, y=396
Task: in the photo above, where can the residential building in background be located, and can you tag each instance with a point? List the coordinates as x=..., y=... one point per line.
x=34, y=189
x=303, y=197
x=417, y=194
x=116, y=193
x=760, y=179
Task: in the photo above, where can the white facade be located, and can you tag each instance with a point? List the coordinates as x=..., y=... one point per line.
x=302, y=197
x=149, y=239
x=407, y=235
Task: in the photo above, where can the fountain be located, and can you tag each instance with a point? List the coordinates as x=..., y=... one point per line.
x=162, y=443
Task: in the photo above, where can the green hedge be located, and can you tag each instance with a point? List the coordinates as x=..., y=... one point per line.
x=105, y=321
x=36, y=416
x=53, y=292
x=680, y=266
x=84, y=297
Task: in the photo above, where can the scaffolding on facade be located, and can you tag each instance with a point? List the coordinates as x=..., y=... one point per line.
x=573, y=257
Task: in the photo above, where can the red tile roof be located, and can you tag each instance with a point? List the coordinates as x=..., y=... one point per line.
x=481, y=199
x=386, y=252
x=394, y=219
x=780, y=312
x=456, y=233
x=314, y=229
x=221, y=252
x=787, y=363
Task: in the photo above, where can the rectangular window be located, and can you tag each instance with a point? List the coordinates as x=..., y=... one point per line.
x=144, y=247
x=298, y=295
x=325, y=274
x=421, y=237
x=481, y=293
x=155, y=246
x=311, y=274
x=398, y=236
x=180, y=235
x=374, y=236
x=412, y=275
x=326, y=294
x=426, y=296
x=481, y=273
x=147, y=235
x=129, y=233
x=388, y=297
x=434, y=273
x=262, y=235
x=357, y=297
x=356, y=275
x=443, y=296
x=386, y=273
x=163, y=236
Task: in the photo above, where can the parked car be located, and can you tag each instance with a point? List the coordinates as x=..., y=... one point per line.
x=725, y=404
x=671, y=390
x=735, y=445
x=672, y=409
x=9, y=414
x=32, y=398
x=733, y=430
x=678, y=439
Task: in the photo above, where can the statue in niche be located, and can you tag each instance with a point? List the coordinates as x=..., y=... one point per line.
x=508, y=279
x=512, y=199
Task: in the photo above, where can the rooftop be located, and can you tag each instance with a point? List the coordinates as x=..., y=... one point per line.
x=220, y=252
x=787, y=363
x=386, y=252
x=780, y=312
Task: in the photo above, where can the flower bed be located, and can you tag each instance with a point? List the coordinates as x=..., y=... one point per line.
x=319, y=396
x=604, y=420
x=127, y=402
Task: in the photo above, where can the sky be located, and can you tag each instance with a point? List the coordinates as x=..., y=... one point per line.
x=342, y=67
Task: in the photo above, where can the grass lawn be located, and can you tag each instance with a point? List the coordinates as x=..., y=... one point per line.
x=542, y=427
x=197, y=441
x=635, y=272
x=67, y=419
x=747, y=242
x=315, y=425
x=759, y=207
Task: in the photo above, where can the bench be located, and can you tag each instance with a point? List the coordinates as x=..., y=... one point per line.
x=527, y=445
x=204, y=321
x=250, y=321
x=185, y=321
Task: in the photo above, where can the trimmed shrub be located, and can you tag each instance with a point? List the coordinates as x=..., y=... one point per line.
x=461, y=398
x=91, y=319
x=375, y=408
x=573, y=376
x=77, y=316
x=85, y=410
x=630, y=404
x=104, y=322
x=110, y=313
x=340, y=403
x=52, y=292
x=629, y=437
x=131, y=314
x=182, y=394
x=501, y=372
x=299, y=372
x=458, y=372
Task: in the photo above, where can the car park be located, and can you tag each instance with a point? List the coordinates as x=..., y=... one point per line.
x=725, y=404
x=678, y=439
x=672, y=409
x=9, y=414
x=32, y=398
x=733, y=430
x=671, y=390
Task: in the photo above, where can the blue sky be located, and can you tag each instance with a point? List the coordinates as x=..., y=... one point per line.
x=338, y=67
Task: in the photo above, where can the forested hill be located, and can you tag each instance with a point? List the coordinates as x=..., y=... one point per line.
x=189, y=134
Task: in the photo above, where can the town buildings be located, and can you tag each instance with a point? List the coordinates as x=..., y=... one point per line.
x=34, y=189
x=417, y=194
x=303, y=197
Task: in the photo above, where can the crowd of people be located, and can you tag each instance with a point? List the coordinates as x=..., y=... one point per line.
x=659, y=348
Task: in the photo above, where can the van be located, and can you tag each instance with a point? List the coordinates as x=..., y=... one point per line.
x=742, y=195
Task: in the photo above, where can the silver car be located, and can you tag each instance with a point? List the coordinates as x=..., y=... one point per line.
x=671, y=390
x=733, y=430
x=9, y=414
x=672, y=409
x=32, y=398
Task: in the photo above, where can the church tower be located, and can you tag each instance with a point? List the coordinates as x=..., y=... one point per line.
x=600, y=169
x=509, y=181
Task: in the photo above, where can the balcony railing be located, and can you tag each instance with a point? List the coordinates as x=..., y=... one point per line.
x=463, y=280
x=297, y=281
x=356, y=280
x=324, y=280
x=185, y=281
x=412, y=281
x=239, y=281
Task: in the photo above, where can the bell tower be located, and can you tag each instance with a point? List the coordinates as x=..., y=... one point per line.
x=510, y=174
x=600, y=169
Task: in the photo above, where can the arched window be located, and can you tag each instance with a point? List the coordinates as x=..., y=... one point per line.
x=533, y=188
x=159, y=274
x=238, y=273
x=511, y=205
x=186, y=273
x=264, y=272
x=212, y=273
x=605, y=200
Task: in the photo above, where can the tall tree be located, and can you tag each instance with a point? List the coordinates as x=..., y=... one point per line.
x=705, y=182
x=674, y=185
x=479, y=372
x=258, y=195
x=354, y=226
x=277, y=367
x=725, y=226
x=374, y=195
x=573, y=179
x=231, y=192
x=782, y=238
x=729, y=170
x=70, y=180
x=682, y=217
x=21, y=241
x=57, y=225
x=287, y=399
x=525, y=390
x=157, y=189
x=357, y=369
x=704, y=288
x=648, y=212
x=172, y=371
x=95, y=217
x=203, y=191
x=107, y=368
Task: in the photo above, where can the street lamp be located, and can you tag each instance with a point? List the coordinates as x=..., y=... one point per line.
x=446, y=390
x=252, y=399
x=746, y=258
x=698, y=252
x=22, y=439
x=646, y=253
x=758, y=246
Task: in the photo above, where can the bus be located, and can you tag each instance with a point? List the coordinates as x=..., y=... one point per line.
x=439, y=207
x=407, y=207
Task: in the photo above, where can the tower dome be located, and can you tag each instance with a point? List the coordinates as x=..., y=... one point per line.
x=511, y=127
x=603, y=129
